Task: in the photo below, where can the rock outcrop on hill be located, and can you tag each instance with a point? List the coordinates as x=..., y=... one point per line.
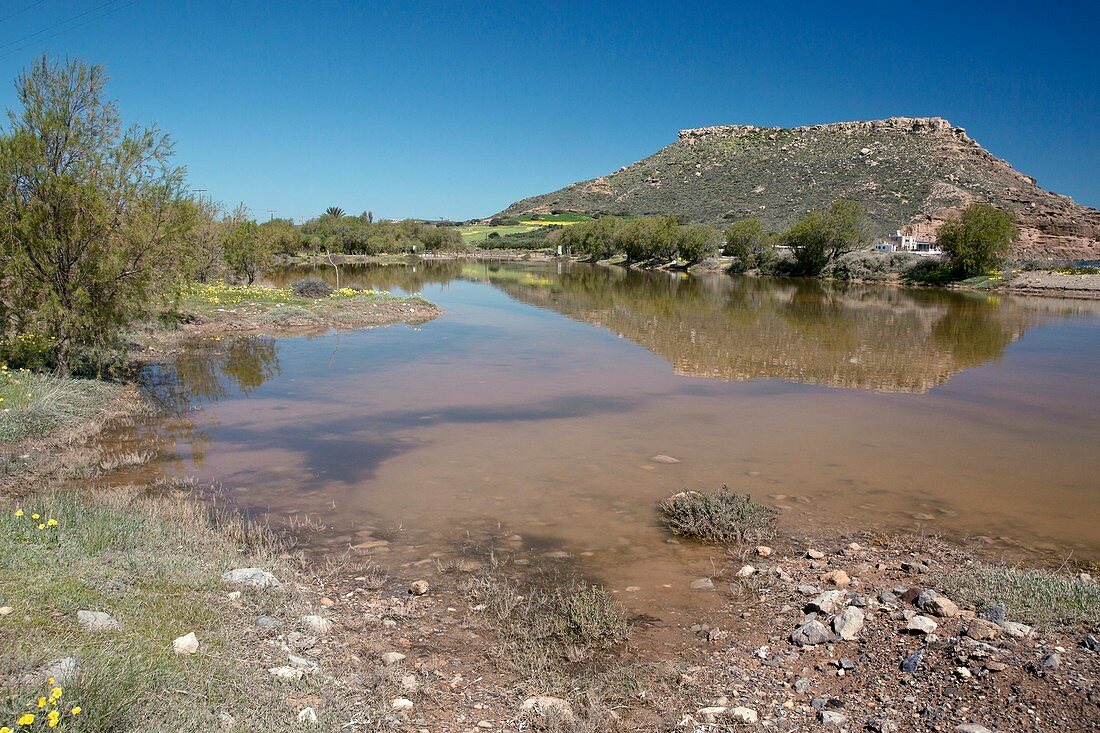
x=910, y=173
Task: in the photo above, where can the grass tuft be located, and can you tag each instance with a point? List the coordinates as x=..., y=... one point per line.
x=1029, y=595
x=36, y=405
x=719, y=517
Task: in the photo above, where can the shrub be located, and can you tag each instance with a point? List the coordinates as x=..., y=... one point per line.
x=1033, y=596
x=720, y=517
x=311, y=287
x=865, y=265
x=287, y=315
x=978, y=240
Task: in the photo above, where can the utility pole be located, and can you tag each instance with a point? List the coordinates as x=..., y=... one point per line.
x=270, y=214
x=199, y=191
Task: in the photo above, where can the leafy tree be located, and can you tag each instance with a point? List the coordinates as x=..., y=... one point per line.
x=204, y=240
x=246, y=256
x=281, y=237
x=93, y=215
x=822, y=236
x=695, y=243
x=747, y=240
x=978, y=240
x=849, y=228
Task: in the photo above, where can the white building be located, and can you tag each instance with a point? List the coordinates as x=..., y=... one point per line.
x=898, y=242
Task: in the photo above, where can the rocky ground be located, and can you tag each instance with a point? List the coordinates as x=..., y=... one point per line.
x=1061, y=285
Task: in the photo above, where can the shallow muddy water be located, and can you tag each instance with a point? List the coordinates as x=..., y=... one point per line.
x=536, y=404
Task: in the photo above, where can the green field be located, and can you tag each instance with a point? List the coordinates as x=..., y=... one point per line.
x=479, y=232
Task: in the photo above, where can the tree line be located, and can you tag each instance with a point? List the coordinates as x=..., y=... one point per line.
x=98, y=227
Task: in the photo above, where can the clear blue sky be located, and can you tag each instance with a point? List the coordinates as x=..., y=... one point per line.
x=448, y=109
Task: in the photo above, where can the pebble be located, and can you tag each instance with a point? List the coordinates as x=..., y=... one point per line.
x=829, y=717
x=251, y=578
x=547, y=706
x=982, y=630
x=268, y=623
x=881, y=725
x=662, y=458
x=1016, y=630
x=5, y=610
x=401, y=703
x=971, y=728
x=307, y=715
x=746, y=571
x=838, y=578
x=419, y=588
x=814, y=554
x=811, y=633
x=921, y=625
x=286, y=674
x=848, y=623
x=391, y=658
x=932, y=602
x=317, y=624
x=743, y=715
x=830, y=601
x=911, y=663
x=702, y=584
x=97, y=621
x=763, y=551
x=186, y=644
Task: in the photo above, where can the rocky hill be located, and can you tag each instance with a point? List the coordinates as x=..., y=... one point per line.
x=910, y=173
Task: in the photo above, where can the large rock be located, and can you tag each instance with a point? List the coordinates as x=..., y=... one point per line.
x=831, y=601
x=251, y=578
x=971, y=728
x=921, y=625
x=391, y=658
x=97, y=621
x=317, y=624
x=811, y=633
x=982, y=630
x=932, y=602
x=848, y=623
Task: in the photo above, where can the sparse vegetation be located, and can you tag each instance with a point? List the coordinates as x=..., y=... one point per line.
x=34, y=405
x=1031, y=595
x=311, y=287
x=720, y=517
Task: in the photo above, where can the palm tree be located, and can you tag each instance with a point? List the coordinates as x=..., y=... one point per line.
x=335, y=212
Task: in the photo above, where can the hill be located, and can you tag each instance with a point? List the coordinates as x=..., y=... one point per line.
x=910, y=173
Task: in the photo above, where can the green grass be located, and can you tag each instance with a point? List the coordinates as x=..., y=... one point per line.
x=1029, y=595
x=154, y=563
x=35, y=405
x=480, y=232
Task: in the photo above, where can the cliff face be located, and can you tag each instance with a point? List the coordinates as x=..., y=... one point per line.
x=910, y=173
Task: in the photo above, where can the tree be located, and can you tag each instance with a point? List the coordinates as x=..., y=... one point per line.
x=849, y=227
x=978, y=240
x=822, y=236
x=745, y=238
x=281, y=237
x=695, y=243
x=335, y=212
x=92, y=214
x=245, y=253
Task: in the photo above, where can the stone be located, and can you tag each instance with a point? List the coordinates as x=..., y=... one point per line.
x=932, y=602
x=743, y=715
x=226, y=721
x=848, y=623
x=711, y=714
x=746, y=571
x=548, y=707
x=802, y=684
x=1016, y=630
x=830, y=601
x=306, y=665
x=830, y=717
x=317, y=624
x=1051, y=661
x=811, y=633
x=838, y=578
x=995, y=613
x=912, y=662
x=5, y=610
x=62, y=670
x=702, y=584
x=662, y=458
x=286, y=674
x=419, y=588
x=233, y=595
x=401, y=703
x=763, y=551
x=268, y=623
x=971, y=728
x=327, y=602
x=251, y=578
x=307, y=715
x=1091, y=643
x=186, y=644
x=97, y=621
x=882, y=725
x=982, y=629
x=410, y=683
x=814, y=554
x=391, y=658
x=921, y=625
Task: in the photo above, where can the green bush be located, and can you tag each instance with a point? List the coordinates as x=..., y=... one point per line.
x=311, y=287
x=977, y=241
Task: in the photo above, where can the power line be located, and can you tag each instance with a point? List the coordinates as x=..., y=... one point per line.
x=57, y=25
x=17, y=12
x=70, y=28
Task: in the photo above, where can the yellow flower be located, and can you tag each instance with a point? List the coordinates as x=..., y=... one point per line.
x=51, y=522
x=18, y=512
x=41, y=526
x=52, y=718
x=50, y=681
x=5, y=729
x=26, y=719
x=41, y=702
x=76, y=710
x=36, y=516
x=55, y=694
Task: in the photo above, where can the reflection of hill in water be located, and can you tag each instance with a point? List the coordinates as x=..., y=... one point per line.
x=880, y=338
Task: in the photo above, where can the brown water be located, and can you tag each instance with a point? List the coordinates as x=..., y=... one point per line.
x=535, y=405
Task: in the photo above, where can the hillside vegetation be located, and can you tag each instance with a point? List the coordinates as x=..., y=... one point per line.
x=915, y=172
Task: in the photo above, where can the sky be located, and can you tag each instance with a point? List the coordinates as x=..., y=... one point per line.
x=456, y=109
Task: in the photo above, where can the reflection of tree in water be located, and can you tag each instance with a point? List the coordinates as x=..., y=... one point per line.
x=411, y=277
x=206, y=371
x=844, y=335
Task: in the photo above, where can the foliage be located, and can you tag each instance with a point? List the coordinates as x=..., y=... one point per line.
x=1030, y=595
x=281, y=237
x=821, y=236
x=661, y=239
x=718, y=517
x=867, y=265
x=311, y=287
x=94, y=215
x=36, y=405
x=749, y=242
x=357, y=235
x=335, y=212
x=977, y=241
x=246, y=255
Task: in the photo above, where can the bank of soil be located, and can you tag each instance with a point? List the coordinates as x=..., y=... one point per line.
x=1057, y=284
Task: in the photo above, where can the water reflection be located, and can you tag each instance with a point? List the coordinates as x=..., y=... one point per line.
x=737, y=329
